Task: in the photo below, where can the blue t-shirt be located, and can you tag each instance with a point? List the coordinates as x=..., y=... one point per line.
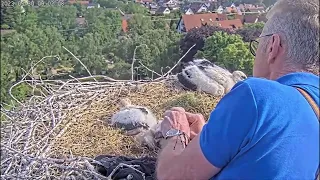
x=265, y=129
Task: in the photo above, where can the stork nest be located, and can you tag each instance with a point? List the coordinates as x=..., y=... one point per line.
x=56, y=135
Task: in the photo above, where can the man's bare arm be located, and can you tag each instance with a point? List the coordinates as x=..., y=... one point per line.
x=180, y=163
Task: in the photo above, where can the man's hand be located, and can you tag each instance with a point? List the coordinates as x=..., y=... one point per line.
x=196, y=122
x=175, y=118
x=176, y=161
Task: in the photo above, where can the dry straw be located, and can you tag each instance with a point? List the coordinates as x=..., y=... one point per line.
x=57, y=133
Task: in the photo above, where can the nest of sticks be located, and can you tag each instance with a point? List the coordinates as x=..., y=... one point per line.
x=57, y=134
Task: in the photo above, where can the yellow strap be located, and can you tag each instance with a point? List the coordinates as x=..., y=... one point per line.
x=312, y=103
x=315, y=108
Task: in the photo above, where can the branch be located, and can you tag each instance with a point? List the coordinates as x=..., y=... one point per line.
x=80, y=63
x=176, y=63
x=149, y=69
x=134, y=59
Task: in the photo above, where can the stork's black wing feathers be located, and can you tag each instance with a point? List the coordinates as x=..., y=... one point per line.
x=144, y=110
x=186, y=83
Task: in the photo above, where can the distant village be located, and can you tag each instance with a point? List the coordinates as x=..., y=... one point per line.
x=194, y=14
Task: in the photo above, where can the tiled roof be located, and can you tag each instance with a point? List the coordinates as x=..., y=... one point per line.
x=161, y=9
x=250, y=18
x=196, y=6
x=197, y=20
x=231, y=24
x=124, y=21
x=231, y=9
x=81, y=2
x=144, y=1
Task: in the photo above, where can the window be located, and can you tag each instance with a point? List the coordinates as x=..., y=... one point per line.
x=217, y=19
x=233, y=26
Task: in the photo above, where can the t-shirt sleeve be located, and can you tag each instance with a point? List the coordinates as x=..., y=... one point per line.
x=230, y=126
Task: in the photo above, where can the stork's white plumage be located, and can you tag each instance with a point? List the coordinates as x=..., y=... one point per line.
x=137, y=121
x=202, y=82
x=133, y=118
x=201, y=74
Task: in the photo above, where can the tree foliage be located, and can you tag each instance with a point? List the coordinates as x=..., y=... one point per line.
x=250, y=31
x=227, y=50
x=101, y=44
x=197, y=36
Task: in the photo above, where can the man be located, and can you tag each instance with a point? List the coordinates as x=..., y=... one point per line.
x=264, y=128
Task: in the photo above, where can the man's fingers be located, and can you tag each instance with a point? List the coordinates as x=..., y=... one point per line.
x=180, y=109
x=192, y=118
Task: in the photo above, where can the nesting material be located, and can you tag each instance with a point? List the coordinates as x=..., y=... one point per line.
x=91, y=136
x=58, y=135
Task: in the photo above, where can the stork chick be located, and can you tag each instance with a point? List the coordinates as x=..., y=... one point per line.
x=137, y=121
x=201, y=74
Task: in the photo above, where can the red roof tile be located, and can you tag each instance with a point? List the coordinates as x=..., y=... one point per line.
x=124, y=25
x=197, y=20
x=144, y=1
x=81, y=2
x=231, y=24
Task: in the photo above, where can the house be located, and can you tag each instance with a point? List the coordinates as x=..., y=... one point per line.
x=168, y=3
x=153, y=7
x=86, y=3
x=230, y=10
x=220, y=10
x=251, y=8
x=92, y=5
x=124, y=21
x=188, y=22
x=144, y=2
x=230, y=24
x=196, y=7
x=252, y=18
x=163, y=11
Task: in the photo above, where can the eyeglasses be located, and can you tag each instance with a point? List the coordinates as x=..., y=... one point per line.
x=254, y=44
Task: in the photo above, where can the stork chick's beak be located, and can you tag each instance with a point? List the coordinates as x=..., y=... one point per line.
x=124, y=102
x=133, y=132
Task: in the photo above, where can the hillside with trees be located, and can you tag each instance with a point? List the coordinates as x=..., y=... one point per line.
x=51, y=34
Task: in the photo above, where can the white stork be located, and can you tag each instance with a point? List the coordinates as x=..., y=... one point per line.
x=202, y=75
x=137, y=121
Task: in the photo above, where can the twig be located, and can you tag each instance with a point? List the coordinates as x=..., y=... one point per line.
x=176, y=63
x=80, y=63
x=134, y=59
x=149, y=69
x=120, y=165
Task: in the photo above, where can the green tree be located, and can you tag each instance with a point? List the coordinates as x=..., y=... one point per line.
x=228, y=51
x=12, y=16
x=250, y=31
x=236, y=57
x=216, y=43
x=139, y=24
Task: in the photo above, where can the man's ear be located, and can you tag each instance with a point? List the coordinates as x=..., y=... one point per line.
x=274, y=48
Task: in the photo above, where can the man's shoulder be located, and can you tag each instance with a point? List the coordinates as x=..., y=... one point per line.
x=260, y=87
x=255, y=83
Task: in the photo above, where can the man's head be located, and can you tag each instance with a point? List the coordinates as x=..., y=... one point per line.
x=290, y=40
